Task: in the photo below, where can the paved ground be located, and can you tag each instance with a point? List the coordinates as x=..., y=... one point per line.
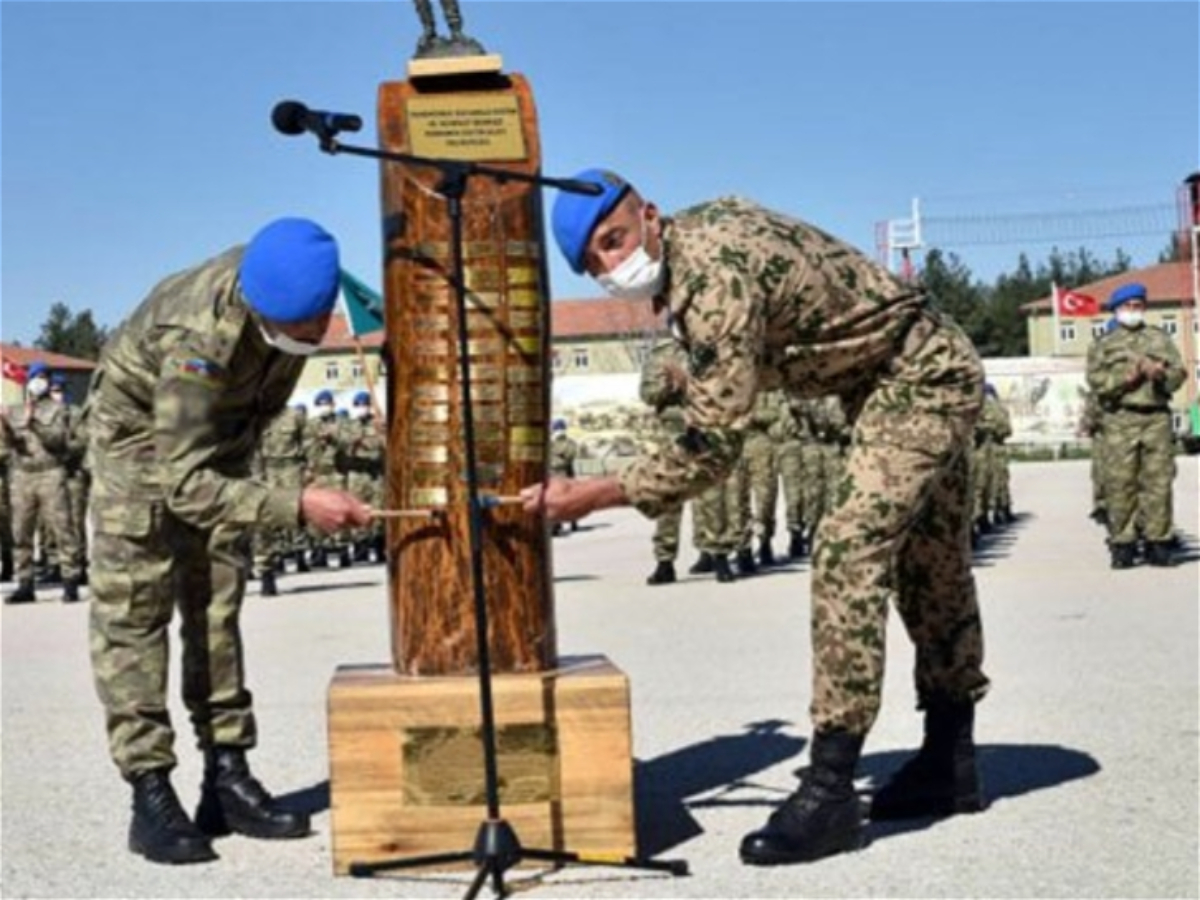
x=1089, y=736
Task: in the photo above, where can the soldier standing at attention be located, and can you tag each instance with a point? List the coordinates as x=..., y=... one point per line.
x=1133, y=372
x=183, y=392
x=6, y=532
x=662, y=384
x=40, y=450
x=563, y=451
x=764, y=301
x=762, y=471
x=365, y=461
x=280, y=464
x=324, y=454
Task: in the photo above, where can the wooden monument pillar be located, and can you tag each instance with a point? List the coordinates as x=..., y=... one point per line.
x=406, y=755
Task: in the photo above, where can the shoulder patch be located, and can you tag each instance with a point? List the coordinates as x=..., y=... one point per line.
x=200, y=371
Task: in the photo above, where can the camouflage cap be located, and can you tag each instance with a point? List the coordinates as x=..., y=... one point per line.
x=576, y=216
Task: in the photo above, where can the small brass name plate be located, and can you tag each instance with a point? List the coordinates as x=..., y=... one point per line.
x=466, y=126
x=441, y=765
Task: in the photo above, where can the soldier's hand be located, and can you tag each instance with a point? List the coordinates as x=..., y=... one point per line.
x=328, y=510
x=568, y=499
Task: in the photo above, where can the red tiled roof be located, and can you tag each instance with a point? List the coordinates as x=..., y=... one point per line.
x=25, y=356
x=1165, y=283
x=596, y=317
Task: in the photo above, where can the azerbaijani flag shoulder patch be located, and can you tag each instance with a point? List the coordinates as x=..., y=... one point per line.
x=200, y=371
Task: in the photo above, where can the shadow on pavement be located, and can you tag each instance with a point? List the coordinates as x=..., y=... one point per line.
x=285, y=589
x=998, y=542
x=663, y=785
x=310, y=800
x=1007, y=770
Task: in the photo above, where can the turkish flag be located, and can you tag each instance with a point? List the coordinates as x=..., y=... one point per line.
x=1074, y=304
x=13, y=371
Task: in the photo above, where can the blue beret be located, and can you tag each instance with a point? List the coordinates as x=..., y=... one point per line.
x=323, y=397
x=290, y=271
x=558, y=425
x=576, y=216
x=38, y=368
x=1127, y=292
x=362, y=398
x=989, y=389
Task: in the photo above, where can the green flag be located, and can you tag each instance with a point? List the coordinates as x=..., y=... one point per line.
x=363, y=307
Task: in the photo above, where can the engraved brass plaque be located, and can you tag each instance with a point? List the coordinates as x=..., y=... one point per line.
x=489, y=432
x=435, y=392
x=525, y=318
x=439, y=454
x=485, y=299
x=480, y=278
x=482, y=372
x=489, y=473
x=441, y=765
x=524, y=375
x=466, y=126
x=427, y=497
x=430, y=434
x=435, y=347
x=526, y=345
x=432, y=323
x=527, y=408
x=431, y=413
x=489, y=391
x=525, y=434
x=489, y=453
x=431, y=249
x=480, y=248
x=522, y=275
x=523, y=248
x=527, y=453
x=526, y=297
x=487, y=413
x=429, y=476
x=432, y=373
x=485, y=347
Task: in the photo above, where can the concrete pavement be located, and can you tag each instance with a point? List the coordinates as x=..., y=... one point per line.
x=1089, y=737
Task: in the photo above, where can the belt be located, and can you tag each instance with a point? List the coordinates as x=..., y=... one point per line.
x=1144, y=409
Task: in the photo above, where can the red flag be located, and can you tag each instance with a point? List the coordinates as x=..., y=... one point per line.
x=1072, y=304
x=14, y=372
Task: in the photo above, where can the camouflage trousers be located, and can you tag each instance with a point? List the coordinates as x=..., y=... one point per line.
x=719, y=526
x=666, y=535
x=762, y=477
x=899, y=533
x=6, y=519
x=147, y=563
x=41, y=498
x=789, y=459
x=1139, y=474
x=1099, y=500
x=989, y=478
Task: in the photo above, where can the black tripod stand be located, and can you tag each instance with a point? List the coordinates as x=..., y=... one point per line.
x=497, y=847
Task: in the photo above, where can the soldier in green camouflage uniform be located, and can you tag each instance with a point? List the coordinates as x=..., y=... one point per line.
x=183, y=391
x=762, y=470
x=6, y=533
x=279, y=463
x=324, y=452
x=1133, y=372
x=40, y=448
x=564, y=450
x=364, y=459
x=1091, y=425
x=661, y=388
x=763, y=301
x=991, y=504
x=79, y=480
x=792, y=435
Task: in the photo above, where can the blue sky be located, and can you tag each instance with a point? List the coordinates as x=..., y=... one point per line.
x=135, y=137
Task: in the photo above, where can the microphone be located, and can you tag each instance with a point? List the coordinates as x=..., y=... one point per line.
x=290, y=117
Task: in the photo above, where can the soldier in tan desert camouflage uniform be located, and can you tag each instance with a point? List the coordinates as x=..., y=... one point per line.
x=762, y=300
x=183, y=392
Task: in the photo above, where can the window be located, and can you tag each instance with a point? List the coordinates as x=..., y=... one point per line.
x=1170, y=326
x=580, y=358
x=1098, y=328
x=331, y=371
x=1176, y=423
x=356, y=372
x=556, y=360
x=1066, y=331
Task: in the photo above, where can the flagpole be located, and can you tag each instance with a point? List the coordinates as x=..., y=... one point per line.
x=376, y=413
x=1054, y=310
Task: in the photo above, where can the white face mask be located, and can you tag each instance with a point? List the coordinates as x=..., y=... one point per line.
x=38, y=387
x=360, y=412
x=1130, y=318
x=638, y=275
x=286, y=344
x=323, y=411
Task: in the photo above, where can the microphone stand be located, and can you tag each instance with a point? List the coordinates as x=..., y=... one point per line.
x=497, y=847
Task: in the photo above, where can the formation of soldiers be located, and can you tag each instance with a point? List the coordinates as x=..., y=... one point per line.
x=992, y=504
x=45, y=482
x=44, y=487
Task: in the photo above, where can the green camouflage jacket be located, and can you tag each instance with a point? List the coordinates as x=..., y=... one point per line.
x=1112, y=357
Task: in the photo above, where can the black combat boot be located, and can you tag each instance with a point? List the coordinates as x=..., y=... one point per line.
x=1158, y=553
x=1124, y=556
x=745, y=561
x=820, y=819
x=943, y=778
x=23, y=594
x=161, y=830
x=664, y=573
x=344, y=560
x=6, y=565
x=1006, y=516
x=362, y=552
x=231, y=799
x=302, y=562
x=797, y=549
x=983, y=524
x=51, y=575
x=766, y=556
x=722, y=569
x=379, y=548
x=83, y=575
x=320, y=558
x=70, y=591
x=703, y=565
x=267, y=586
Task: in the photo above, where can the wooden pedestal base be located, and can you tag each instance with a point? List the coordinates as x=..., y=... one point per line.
x=406, y=761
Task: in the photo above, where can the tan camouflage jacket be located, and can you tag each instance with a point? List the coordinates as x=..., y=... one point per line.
x=183, y=392
x=761, y=301
x=1111, y=358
